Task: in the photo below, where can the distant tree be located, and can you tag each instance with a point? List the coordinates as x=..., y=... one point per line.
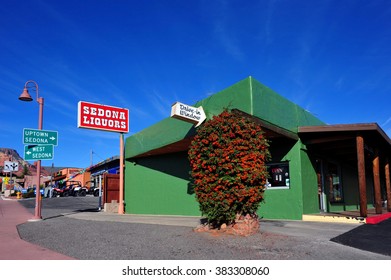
x=25, y=170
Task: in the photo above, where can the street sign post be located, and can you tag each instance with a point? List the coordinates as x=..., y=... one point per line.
x=40, y=137
x=38, y=152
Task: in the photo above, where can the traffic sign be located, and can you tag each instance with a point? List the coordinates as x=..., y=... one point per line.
x=10, y=166
x=38, y=152
x=39, y=137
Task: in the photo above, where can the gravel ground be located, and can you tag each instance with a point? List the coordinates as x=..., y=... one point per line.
x=95, y=240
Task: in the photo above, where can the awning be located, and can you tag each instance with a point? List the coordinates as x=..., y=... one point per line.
x=362, y=145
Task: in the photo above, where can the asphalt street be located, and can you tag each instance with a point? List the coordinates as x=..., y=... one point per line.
x=73, y=226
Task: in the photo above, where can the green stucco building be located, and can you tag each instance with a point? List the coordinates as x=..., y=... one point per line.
x=314, y=168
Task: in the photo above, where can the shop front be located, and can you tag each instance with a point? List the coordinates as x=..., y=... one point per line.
x=352, y=166
x=308, y=172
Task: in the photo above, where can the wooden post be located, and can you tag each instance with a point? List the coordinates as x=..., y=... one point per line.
x=388, y=185
x=362, y=185
x=376, y=183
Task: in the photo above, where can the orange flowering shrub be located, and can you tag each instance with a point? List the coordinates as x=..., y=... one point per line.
x=227, y=158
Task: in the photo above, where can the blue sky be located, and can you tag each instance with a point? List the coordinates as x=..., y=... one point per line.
x=333, y=58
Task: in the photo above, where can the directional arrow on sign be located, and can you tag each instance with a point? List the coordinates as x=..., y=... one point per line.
x=40, y=137
x=38, y=152
x=188, y=113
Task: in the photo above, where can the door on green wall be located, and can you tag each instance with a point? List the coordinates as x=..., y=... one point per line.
x=329, y=184
x=334, y=183
x=322, y=199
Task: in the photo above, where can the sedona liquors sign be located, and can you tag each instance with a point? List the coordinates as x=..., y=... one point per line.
x=102, y=117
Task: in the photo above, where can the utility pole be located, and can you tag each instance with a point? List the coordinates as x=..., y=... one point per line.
x=91, y=159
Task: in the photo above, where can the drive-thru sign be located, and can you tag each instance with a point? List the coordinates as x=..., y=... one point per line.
x=188, y=113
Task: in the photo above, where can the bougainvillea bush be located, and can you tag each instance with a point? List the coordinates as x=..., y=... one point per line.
x=227, y=158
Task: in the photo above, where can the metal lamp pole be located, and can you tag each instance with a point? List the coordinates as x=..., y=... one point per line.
x=25, y=96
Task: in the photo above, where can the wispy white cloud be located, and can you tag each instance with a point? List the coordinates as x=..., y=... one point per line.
x=225, y=36
x=160, y=103
x=339, y=83
x=386, y=123
x=228, y=40
x=85, y=137
x=268, y=27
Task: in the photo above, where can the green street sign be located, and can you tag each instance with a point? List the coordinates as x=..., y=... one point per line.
x=38, y=152
x=39, y=137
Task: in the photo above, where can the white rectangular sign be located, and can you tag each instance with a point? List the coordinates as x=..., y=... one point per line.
x=11, y=166
x=188, y=113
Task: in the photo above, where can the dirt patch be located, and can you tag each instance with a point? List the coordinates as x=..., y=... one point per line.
x=243, y=226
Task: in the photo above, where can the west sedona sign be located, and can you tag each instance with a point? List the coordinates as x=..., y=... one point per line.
x=102, y=117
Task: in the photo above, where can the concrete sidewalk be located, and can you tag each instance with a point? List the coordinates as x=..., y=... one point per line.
x=12, y=247
x=182, y=221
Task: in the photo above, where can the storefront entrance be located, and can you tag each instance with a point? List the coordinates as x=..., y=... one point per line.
x=329, y=184
x=364, y=150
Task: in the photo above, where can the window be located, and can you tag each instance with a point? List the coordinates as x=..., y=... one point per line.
x=278, y=175
x=334, y=183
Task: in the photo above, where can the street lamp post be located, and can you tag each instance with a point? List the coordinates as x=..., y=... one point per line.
x=25, y=96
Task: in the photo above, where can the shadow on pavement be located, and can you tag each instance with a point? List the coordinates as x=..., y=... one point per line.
x=88, y=210
x=374, y=238
x=62, y=206
x=72, y=212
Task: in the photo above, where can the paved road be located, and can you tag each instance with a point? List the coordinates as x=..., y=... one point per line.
x=72, y=227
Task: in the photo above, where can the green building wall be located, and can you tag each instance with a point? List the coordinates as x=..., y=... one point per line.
x=160, y=184
x=285, y=203
x=277, y=110
x=309, y=183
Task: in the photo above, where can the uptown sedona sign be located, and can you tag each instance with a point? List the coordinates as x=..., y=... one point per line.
x=102, y=117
